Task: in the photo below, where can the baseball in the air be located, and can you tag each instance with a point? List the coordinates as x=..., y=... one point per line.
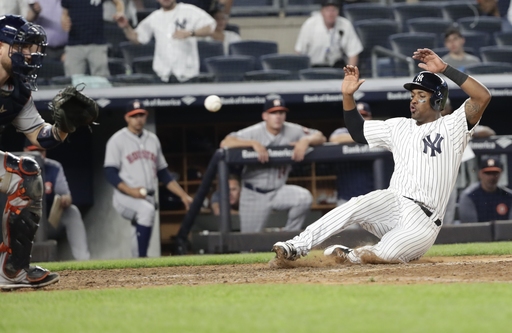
x=143, y=192
x=212, y=103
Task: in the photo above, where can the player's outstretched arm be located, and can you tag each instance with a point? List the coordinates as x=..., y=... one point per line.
x=478, y=93
x=349, y=86
x=353, y=119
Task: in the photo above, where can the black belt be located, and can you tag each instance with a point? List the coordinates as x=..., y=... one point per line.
x=425, y=210
x=256, y=189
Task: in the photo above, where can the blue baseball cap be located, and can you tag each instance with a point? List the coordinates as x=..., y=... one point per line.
x=135, y=107
x=492, y=163
x=274, y=105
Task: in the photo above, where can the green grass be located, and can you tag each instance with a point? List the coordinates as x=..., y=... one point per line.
x=264, y=308
x=247, y=308
x=494, y=248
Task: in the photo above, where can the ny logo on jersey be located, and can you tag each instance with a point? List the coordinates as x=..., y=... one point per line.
x=180, y=25
x=95, y=2
x=434, y=146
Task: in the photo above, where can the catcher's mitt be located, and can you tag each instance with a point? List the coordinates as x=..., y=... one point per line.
x=71, y=109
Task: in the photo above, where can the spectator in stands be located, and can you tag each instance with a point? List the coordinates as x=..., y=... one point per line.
x=17, y=7
x=485, y=200
x=174, y=27
x=354, y=178
x=329, y=39
x=130, y=6
x=57, y=193
x=457, y=57
x=210, y=5
x=47, y=13
x=220, y=34
x=492, y=8
x=264, y=186
x=83, y=19
x=234, y=196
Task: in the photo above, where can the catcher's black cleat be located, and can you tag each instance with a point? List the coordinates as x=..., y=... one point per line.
x=33, y=277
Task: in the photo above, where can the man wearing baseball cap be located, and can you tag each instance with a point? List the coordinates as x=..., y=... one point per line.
x=264, y=186
x=485, y=200
x=134, y=164
x=328, y=39
x=354, y=178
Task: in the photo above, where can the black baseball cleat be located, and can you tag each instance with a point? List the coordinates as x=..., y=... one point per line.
x=285, y=251
x=339, y=251
x=180, y=247
x=34, y=277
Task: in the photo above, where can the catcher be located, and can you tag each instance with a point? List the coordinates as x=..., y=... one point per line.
x=22, y=50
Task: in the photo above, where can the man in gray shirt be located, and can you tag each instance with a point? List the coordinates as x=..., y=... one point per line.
x=457, y=57
x=264, y=186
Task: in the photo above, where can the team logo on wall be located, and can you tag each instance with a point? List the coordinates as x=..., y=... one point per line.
x=188, y=99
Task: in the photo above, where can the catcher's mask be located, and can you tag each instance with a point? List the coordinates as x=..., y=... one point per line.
x=435, y=84
x=27, y=47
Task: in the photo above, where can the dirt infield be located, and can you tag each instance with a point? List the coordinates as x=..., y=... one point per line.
x=313, y=270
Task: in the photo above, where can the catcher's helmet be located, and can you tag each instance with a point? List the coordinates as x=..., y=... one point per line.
x=435, y=84
x=19, y=33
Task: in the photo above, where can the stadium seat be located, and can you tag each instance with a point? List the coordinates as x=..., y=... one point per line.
x=117, y=66
x=268, y=75
x=503, y=38
x=51, y=68
x=255, y=48
x=496, y=54
x=208, y=49
x=476, y=39
x=436, y=25
x=365, y=11
x=255, y=7
x=489, y=68
x=408, y=42
x=131, y=51
x=322, y=74
x=60, y=81
x=407, y=11
x=143, y=65
x=486, y=24
x=229, y=68
x=456, y=10
x=290, y=62
x=113, y=35
x=300, y=7
x=134, y=79
x=372, y=33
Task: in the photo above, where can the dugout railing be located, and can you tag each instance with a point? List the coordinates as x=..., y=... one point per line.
x=226, y=241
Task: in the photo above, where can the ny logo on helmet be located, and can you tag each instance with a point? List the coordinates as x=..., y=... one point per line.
x=434, y=146
x=419, y=78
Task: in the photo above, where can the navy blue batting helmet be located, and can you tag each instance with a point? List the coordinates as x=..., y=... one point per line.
x=435, y=84
x=19, y=33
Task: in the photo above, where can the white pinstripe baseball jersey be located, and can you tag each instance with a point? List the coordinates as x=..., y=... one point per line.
x=427, y=157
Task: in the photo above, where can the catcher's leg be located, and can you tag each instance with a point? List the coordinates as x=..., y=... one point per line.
x=21, y=181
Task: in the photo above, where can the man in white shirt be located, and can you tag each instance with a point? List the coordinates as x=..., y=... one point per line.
x=174, y=27
x=329, y=39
